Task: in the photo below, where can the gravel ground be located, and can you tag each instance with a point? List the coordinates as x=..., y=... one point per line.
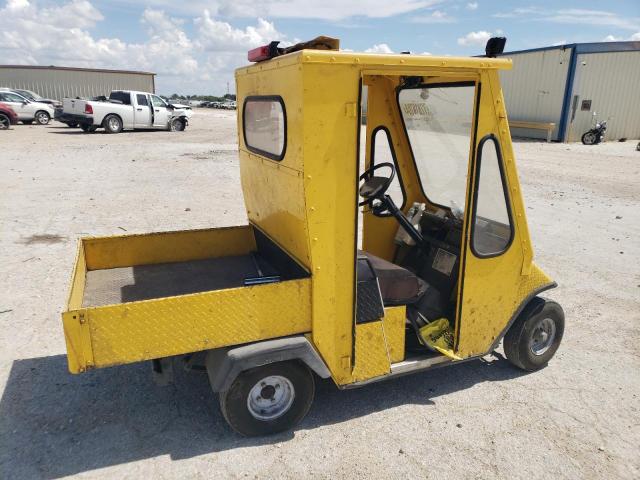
x=577, y=418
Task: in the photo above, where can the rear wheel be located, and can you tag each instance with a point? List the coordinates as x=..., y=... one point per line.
x=42, y=117
x=73, y=124
x=536, y=335
x=5, y=122
x=268, y=399
x=112, y=124
x=589, y=138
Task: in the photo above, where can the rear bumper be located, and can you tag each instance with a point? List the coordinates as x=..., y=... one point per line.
x=73, y=118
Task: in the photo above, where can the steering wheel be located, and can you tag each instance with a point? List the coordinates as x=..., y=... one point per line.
x=375, y=187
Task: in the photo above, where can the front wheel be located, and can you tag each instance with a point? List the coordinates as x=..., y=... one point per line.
x=177, y=125
x=268, y=399
x=536, y=335
x=590, y=138
x=42, y=117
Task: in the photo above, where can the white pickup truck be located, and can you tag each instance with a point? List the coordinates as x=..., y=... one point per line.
x=124, y=110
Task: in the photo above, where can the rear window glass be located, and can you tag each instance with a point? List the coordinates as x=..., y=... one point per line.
x=124, y=97
x=264, y=122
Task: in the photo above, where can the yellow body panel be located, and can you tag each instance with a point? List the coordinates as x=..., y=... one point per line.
x=394, y=322
x=150, y=248
x=150, y=329
x=372, y=356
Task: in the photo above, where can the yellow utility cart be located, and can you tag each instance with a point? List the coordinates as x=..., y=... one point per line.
x=435, y=267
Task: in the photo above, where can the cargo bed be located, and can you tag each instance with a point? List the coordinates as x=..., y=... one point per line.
x=140, y=297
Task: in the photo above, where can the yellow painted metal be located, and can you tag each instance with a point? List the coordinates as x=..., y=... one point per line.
x=175, y=325
x=151, y=248
x=372, y=357
x=394, y=323
x=493, y=288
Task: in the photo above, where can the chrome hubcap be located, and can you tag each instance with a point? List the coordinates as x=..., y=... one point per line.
x=114, y=124
x=42, y=118
x=270, y=398
x=542, y=337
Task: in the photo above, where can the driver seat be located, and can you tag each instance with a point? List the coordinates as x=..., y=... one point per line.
x=398, y=286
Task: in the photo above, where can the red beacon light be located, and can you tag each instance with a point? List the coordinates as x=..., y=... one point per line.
x=264, y=52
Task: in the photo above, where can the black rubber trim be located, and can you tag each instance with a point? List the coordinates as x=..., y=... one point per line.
x=505, y=190
x=395, y=162
x=404, y=126
x=518, y=311
x=463, y=242
x=265, y=98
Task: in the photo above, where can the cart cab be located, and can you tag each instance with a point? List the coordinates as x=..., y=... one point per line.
x=387, y=234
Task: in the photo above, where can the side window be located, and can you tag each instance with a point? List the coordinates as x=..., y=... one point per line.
x=382, y=152
x=142, y=100
x=157, y=101
x=492, y=225
x=264, y=123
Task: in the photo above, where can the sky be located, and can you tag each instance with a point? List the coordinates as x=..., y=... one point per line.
x=195, y=45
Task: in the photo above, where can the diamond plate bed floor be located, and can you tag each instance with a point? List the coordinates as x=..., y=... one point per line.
x=144, y=282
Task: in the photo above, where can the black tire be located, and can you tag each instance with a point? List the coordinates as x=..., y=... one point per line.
x=5, y=122
x=42, y=117
x=177, y=125
x=112, y=124
x=88, y=128
x=529, y=343
x=73, y=124
x=235, y=402
x=27, y=122
x=590, y=138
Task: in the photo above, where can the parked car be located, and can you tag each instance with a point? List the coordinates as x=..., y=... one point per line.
x=7, y=116
x=27, y=111
x=33, y=96
x=125, y=110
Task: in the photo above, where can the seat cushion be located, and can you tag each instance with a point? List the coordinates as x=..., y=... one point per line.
x=398, y=286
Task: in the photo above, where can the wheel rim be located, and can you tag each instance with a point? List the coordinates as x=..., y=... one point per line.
x=4, y=123
x=114, y=124
x=590, y=138
x=43, y=118
x=270, y=398
x=542, y=337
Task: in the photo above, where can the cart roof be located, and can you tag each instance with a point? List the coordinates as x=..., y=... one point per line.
x=374, y=60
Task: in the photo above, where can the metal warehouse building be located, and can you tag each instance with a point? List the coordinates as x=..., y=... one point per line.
x=566, y=84
x=59, y=82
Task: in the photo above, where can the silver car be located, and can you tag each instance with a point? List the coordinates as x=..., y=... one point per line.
x=27, y=111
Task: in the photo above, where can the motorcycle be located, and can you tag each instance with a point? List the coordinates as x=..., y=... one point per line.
x=596, y=134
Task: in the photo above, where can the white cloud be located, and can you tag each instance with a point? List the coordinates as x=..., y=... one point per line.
x=472, y=5
x=573, y=16
x=202, y=62
x=474, y=38
x=216, y=35
x=611, y=38
x=437, y=16
x=635, y=37
x=326, y=10
x=379, y=48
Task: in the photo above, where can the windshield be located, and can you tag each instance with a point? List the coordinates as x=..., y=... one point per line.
x=438, y=120
x=30, y=95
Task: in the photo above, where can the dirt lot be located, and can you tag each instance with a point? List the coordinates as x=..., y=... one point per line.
x=578, y=418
